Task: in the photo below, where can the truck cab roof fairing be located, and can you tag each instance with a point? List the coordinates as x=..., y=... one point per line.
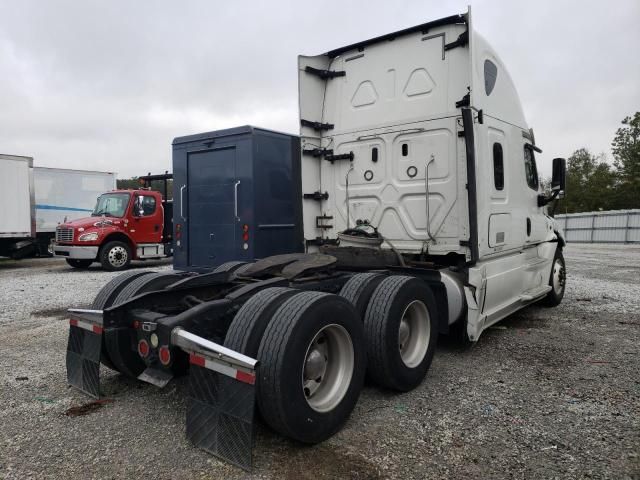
x=424, y=28
x=502, y=102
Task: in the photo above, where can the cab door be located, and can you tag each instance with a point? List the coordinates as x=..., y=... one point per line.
x=148, y=218
x=535, y=222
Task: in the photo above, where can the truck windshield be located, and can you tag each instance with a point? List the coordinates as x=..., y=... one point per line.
x=111, y=205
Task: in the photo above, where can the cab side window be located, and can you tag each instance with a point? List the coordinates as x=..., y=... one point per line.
x=146, y=205
x=530, y=170
x=498, y=167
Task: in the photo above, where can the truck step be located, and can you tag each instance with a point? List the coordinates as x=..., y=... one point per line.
x=534, y=293
x=156, y=377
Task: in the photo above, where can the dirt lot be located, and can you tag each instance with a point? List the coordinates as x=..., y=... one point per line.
x=547, y=393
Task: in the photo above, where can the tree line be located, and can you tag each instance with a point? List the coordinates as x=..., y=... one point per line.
x=134, y=183
x=593, y=184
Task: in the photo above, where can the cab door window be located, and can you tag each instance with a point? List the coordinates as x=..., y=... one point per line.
x=530, y=170
x=145, y=205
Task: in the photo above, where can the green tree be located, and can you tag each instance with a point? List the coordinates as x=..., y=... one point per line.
x=127, y=183
x=626, y=152
x=590, y=183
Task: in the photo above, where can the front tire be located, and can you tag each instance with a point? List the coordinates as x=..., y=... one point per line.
x=312, y=366
x=115, y=256
x=76, y=263
x=557, y=281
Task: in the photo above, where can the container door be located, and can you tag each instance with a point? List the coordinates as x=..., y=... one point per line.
x=211, y=204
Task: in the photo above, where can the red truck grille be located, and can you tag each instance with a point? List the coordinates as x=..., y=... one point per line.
x=64, y=235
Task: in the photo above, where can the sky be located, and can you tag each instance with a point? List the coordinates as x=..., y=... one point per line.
x=107, y=85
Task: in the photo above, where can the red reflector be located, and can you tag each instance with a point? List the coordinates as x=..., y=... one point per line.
x=143, y=348
x=245, y=237
x=97, y=329
x=196, y=360
x=249, y=378
x=165, y=355
x=73, y=322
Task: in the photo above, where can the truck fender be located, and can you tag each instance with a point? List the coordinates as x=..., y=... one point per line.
x=560, y=236
x=122, y=237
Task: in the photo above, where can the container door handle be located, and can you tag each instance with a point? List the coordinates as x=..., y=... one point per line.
x=182, y=202
x=235, y=200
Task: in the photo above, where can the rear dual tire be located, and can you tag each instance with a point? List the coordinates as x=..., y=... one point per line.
x=312, y=364
x=401, y=331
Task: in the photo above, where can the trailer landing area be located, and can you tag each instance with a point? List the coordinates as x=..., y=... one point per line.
x=547, y=392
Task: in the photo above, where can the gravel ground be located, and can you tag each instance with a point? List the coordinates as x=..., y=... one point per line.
x=547, y=393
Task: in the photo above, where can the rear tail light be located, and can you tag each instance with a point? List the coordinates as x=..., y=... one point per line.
x=143, y=348
x=178, y=230
x=165, y=355
x=245, y=233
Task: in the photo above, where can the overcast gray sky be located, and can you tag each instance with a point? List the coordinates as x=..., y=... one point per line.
x=107, y=85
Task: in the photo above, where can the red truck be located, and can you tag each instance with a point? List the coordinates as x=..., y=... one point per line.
x=125, y=225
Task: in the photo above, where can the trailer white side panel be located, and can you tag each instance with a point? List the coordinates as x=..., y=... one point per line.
x=64, y=195
x=16, y=197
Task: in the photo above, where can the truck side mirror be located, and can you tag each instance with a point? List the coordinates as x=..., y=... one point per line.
x=137, y=210
x=559, y=176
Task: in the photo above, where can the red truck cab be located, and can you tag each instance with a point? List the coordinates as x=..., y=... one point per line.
x=125, y=225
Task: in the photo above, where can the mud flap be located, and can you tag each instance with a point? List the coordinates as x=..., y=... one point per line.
x=221, y=399
x=220, y=412
x=83, y=357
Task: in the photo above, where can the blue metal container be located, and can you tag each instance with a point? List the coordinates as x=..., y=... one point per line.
x=237, y=196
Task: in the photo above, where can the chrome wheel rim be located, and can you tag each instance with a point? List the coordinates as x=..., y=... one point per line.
x=117, y=256
x=559, y=276
x=328, y=368
x=414, y=333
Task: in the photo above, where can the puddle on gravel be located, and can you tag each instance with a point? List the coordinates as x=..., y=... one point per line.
x=302, y=464
x=51, y=312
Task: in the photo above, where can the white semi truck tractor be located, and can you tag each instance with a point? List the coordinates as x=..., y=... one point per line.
x=423, y=216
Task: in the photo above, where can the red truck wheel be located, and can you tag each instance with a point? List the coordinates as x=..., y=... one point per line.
x=115, y=256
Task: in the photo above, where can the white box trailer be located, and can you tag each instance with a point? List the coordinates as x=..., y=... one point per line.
x=17, y=215
x=63, y=195
x=37, y=199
